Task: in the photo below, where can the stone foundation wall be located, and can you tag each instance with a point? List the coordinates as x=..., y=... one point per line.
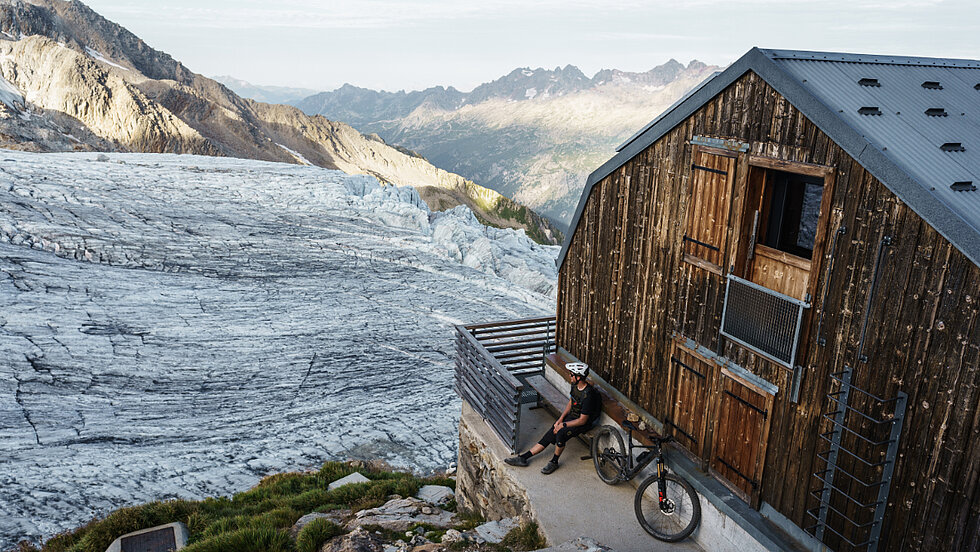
x=482, y=482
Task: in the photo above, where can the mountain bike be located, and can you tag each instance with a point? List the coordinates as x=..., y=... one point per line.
x=665, y=504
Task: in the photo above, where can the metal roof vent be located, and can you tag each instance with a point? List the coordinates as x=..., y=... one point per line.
x=869, y=82
x=936, y=112
x=869, y=111
x=965, y=186
x=952, y=146
x=932, y=85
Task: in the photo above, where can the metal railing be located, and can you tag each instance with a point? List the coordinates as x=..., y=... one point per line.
x=493, y=362
x=862, y=446
x=763, y=320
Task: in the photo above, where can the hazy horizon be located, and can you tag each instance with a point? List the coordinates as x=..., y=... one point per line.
x=417, y=44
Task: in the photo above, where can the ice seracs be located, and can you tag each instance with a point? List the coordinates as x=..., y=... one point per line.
x=177, y=326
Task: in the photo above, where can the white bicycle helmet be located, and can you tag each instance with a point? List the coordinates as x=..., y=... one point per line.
x=580, y=369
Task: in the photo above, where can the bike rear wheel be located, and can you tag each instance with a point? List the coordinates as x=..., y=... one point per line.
x=677, y=518
x=608, y=455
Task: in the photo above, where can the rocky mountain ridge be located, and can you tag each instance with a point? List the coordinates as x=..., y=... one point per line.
x=533, y=134
x=85, y=83
x=356, y=105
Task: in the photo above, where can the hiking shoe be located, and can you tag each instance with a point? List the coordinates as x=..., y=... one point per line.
x=515, y=461
x=549, y=467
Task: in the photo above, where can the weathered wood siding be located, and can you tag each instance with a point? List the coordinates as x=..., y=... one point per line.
x=625, y=289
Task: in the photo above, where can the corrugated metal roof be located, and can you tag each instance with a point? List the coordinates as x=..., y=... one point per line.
x=903, y=132
x=902, y=146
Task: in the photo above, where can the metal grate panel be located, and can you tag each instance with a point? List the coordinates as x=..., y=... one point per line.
x=762, y=319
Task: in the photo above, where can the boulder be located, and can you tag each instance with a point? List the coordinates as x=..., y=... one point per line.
x=402, y=514
x=452, y=536
x=435, y=494
x=336, y=516
x=352, y=478
x=358, y=540
x=495, y=531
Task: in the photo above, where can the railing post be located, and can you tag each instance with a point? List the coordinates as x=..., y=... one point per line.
x=889, y=468
x=839, y=415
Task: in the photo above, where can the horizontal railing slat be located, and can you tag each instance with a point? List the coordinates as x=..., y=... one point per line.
x=486, y=356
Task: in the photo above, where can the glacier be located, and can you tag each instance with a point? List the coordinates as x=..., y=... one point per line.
x=175, y=326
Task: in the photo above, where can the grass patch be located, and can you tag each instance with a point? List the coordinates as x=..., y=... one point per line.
x=257, y=519
x=315, y=533
x=249, y=539
x=525, y=537
x=468, y=521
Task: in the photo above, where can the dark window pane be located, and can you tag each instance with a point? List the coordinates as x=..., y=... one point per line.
x=792, y=211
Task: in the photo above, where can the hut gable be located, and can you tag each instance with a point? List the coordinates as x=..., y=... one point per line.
x=761, y=191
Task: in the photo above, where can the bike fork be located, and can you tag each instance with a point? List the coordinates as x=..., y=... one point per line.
x=661, y=481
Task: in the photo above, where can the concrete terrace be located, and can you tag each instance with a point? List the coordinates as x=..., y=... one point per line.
x=572, y=502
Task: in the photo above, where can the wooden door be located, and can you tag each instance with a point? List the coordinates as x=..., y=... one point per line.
x=740, y=435
x=690, y=383
x=708, y=207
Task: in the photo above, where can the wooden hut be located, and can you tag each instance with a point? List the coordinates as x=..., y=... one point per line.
x=782, y=269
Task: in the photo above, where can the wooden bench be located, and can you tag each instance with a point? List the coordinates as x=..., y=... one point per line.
x=614, y=404
x=556, y=401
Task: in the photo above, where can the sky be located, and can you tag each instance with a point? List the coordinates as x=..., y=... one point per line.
x=414, y=44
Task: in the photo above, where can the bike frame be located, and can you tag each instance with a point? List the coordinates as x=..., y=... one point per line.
x=631, y=468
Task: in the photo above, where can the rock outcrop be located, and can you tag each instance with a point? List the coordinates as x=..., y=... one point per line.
x=89, y=84
x=401, y=514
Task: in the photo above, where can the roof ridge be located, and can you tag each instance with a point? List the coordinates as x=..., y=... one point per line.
x=839, y=57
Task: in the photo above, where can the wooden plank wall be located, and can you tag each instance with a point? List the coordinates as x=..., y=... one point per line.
x=624, y=289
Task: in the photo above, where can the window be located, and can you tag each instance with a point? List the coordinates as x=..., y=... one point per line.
x=783, y=224
x=791, y=210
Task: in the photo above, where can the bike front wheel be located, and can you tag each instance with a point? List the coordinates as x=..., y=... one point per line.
x=672, y=519
x=608, y=455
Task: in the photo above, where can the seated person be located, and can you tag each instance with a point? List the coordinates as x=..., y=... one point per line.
x=578, y=417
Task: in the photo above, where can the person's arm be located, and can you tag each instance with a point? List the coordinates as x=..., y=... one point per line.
x=581, y=420
x=561, y=419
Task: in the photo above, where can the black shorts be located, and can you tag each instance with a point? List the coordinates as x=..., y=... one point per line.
x=563, y=435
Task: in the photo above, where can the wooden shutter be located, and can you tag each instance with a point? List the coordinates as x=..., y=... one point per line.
x=690, y=382
x=712, y=175
x=741, y=433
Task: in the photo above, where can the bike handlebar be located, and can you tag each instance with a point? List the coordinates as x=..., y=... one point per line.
x=653, y=436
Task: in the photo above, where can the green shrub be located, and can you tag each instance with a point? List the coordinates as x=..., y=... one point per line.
x=315, y=533
x=525, y=537
x=98, y=536
x=249, y=539
x=262, y=512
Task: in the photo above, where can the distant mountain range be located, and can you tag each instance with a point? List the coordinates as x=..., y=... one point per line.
x=267, y=94
x=534, y=134
x=72, y=80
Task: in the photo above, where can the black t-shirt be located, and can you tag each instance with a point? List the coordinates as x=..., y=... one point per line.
x=585, y=402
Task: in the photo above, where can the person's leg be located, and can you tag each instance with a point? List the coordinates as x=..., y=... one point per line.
x=560, y=439
x=522, y=459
